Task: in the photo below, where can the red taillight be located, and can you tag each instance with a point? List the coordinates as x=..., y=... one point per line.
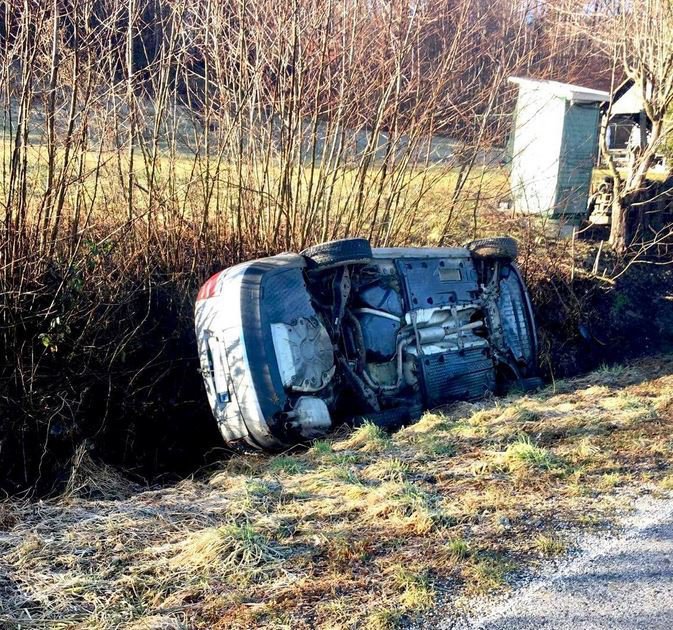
x=209, y=288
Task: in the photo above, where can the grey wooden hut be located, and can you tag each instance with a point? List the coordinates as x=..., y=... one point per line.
x=554, y=147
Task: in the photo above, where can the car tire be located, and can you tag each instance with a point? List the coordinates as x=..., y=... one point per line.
x=341, y=252
x=499, y=247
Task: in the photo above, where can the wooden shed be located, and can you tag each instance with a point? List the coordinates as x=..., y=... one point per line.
x=554, y=147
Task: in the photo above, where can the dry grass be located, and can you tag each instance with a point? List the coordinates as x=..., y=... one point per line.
x=366, y=530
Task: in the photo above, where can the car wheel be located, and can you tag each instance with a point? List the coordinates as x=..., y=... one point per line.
x=341, y=252
x=502, y=247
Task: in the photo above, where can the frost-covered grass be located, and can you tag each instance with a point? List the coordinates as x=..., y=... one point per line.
x=362, y=529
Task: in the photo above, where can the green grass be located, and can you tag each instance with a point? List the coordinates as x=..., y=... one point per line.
x=416, y=590
x=550, y=545
x=607, y=371
x=384, y=619
x=233, y=549
x=489, y=573
x=287, y=464
x=525, y=453
x=438, y=446
x=345, y=473
x=522, y=455
x=392, y=469
x=459, y=548
x=321, y=449
x=369, y=438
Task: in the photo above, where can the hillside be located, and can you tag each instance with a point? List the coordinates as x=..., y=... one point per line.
x=362, y=530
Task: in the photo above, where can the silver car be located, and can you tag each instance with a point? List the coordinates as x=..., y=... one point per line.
x=294, y=344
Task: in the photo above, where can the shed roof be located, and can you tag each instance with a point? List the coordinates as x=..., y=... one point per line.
x=567, y=91
x=628, y=98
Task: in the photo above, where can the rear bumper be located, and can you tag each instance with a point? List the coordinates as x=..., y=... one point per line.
x=219, y=329
x=234, y=311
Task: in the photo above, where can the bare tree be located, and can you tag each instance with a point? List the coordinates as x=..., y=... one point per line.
x=638, y=36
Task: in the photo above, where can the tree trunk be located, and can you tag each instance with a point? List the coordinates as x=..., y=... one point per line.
x=619, y=225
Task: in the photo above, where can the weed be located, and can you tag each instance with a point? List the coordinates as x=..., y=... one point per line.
x=610, y=372
x=523, y=415
x=417, y=590
x=384, y=619
x=435, y=445
x=343, y=549
x=335, y=612
x=248, y=465
x=549, y=545
x=524, y=451
x=468, y=430
x=399, y=498
x=388, y=470
x=483, y=416
x=629, y=401
x=231, y=549
x=562, y=386
x=321, y=449
x=458, y=548
x=522, y=454
x=260, y=488
x=488, y=573
x=586, y=448
x=430, y=422
x=287, y=464
x=664, y=407
x=404, y=504
x=369, y=438
x=345, y=473
x=471, y=505
x=590, y=520
x=608, y=481
x=261, y=494
x=344, y=458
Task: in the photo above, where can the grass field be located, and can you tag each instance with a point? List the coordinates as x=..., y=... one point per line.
x=364, y=529
x=416, y=204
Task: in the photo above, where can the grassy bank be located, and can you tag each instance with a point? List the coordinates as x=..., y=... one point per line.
x=98, y=350
x=364, y=529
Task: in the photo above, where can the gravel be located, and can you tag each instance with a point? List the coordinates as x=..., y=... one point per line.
x=618, y=582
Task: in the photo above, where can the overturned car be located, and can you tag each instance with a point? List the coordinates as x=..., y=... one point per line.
x=293, y=344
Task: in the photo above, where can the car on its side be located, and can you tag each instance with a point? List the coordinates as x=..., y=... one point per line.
x=293, y=344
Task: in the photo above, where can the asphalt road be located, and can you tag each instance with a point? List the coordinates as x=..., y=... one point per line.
x=617, y=583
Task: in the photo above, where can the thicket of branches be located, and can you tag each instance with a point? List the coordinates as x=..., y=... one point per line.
x=147, y=143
